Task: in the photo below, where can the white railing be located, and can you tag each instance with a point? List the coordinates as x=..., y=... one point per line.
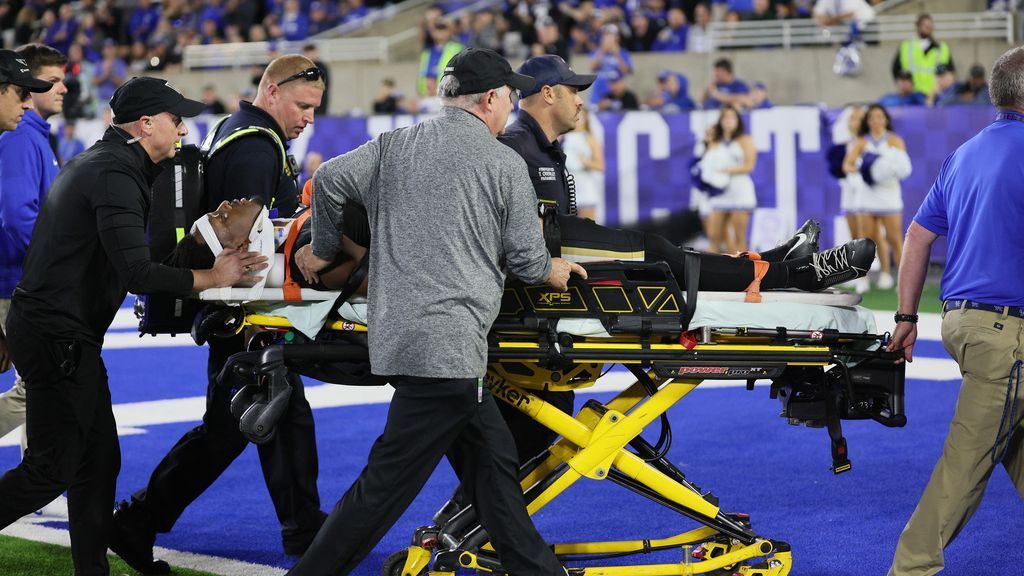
x=805, y=32
x=242, y=54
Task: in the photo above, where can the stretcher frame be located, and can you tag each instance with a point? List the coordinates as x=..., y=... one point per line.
x=603, y=442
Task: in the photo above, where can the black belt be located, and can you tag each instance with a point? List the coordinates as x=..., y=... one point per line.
x=1017, y=311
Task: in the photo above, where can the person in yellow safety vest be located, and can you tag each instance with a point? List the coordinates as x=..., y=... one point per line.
x=921, y=57
x=433, y=59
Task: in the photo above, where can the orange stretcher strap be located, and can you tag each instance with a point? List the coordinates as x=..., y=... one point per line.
x=307, y=193
x=749, y=255
x=754, y=289
x=292, y=290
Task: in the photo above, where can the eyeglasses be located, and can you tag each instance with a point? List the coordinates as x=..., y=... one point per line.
x=311, y=74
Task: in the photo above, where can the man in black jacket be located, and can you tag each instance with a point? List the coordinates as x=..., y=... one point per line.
x=89, y=248
x=247, y=156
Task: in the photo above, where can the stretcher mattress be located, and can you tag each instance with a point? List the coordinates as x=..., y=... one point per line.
x=793, y=310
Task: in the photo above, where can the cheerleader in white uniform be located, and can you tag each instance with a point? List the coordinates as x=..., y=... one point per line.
x=730, y=151
x=880, y=157
x=584, y=159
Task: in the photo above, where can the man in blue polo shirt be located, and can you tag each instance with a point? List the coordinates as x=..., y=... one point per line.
x=28, y=165
x=976, y=203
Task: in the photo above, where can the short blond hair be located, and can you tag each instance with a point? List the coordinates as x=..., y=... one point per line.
x=285, y=66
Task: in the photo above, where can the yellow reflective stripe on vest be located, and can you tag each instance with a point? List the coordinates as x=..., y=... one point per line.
x=251, y=130
x=922, y=66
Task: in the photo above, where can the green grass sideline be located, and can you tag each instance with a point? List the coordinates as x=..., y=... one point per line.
x=21, y=557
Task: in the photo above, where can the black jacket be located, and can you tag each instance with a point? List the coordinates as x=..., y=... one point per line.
x=544, y=159
x=89, y=246
x=252, y=165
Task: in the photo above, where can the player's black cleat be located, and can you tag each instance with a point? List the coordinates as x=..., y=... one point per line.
x=132, y=540
x=840, y=264
x=803, y=243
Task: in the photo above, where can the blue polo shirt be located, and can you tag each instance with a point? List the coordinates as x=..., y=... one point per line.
x=27, y=168
x=737, y=86
x=976, y=202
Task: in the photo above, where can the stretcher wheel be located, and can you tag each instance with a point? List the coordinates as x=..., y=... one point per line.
x=394, y=564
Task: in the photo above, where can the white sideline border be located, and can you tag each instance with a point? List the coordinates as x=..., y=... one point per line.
x=30, y=530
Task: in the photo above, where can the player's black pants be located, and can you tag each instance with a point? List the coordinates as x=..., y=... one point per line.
x=430, y=418
x=289, y=460
x=72, y=441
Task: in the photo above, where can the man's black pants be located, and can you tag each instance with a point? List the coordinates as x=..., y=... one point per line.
x=72, y=441
x=289, y=460
x=428, y=419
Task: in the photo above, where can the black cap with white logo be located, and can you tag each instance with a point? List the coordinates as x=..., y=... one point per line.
x=479, y=70
x=146, y=96
x=14, y=70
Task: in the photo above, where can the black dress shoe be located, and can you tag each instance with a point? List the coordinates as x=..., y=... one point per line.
x=132, y=540
x=803, y=243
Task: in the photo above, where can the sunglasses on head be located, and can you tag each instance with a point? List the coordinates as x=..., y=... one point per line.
x=311, y=74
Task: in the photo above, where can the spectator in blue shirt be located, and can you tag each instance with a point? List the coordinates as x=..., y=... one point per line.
x=62, y=32
x=672, y=37
x=904, y=94
x=68, y=146
x=110, y=73
x=672, y=93
x=725, y=87
x=609, y=61
x=645, y=32
x=355, y=9
x=974, y=90
x=321, y=17
x=143, y=21
x=294, y=23
x=945, y=86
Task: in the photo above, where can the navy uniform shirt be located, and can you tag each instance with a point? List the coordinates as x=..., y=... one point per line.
x=545, y=161
x=252, y=165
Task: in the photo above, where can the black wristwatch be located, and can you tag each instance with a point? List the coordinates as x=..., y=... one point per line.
x=912, y=318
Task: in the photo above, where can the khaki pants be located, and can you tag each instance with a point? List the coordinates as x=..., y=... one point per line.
x=985, y=346
x=12, y=402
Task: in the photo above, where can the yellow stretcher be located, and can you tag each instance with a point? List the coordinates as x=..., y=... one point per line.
x=631, y=314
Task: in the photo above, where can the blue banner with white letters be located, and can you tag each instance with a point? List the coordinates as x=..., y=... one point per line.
x=647, y=155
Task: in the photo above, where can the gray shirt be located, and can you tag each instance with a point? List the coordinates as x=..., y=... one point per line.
x=450, y=209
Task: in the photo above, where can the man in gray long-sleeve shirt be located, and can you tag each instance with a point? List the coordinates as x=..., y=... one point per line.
x=450, y=209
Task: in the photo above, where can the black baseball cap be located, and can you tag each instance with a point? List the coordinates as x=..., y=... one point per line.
x=552, y=70
x=14, y=70
x=479, y=70
x=147, y=96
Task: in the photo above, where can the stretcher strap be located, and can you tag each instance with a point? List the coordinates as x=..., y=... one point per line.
x=691, y=262
x=292, y=290
x=754, y=289
x=749, y=255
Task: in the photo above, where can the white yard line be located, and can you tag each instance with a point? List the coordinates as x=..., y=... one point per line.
x=29, y=530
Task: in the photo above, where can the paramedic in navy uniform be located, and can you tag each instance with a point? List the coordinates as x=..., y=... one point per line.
x=88, y=250
x=546, y=111
x=248, y=157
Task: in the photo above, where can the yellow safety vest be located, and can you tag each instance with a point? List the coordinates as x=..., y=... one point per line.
x=451, y=48
x=922, y=66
